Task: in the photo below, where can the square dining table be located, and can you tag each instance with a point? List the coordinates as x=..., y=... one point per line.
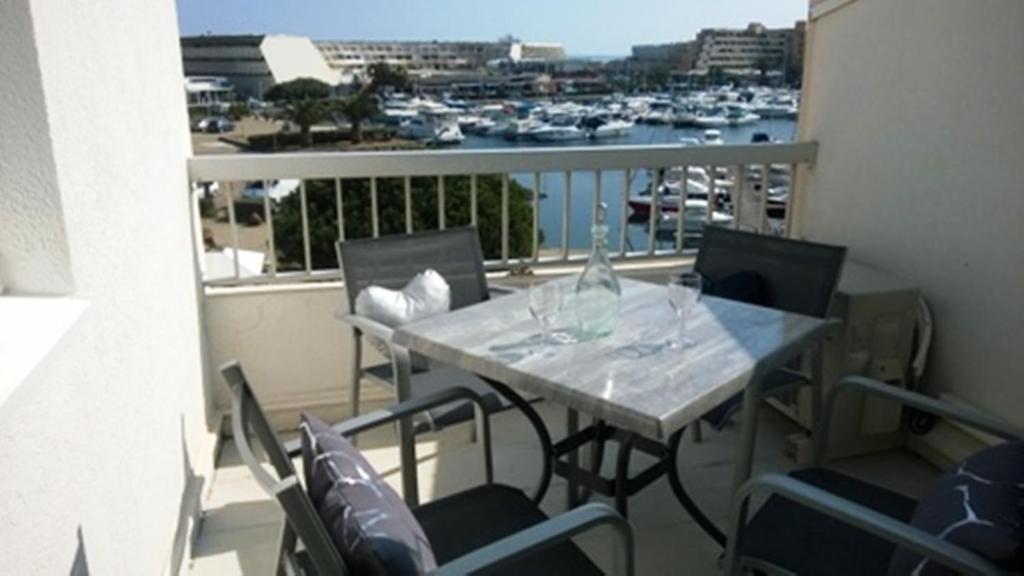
x=631, y=380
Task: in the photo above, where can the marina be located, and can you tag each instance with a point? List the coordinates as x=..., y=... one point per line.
x=721, y=116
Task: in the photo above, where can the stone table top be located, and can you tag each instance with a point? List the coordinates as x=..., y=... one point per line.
x=630, y=378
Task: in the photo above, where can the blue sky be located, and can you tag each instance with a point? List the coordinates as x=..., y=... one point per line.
x=585, y=27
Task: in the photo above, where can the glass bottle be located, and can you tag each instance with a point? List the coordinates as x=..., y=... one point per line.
x=598, y=293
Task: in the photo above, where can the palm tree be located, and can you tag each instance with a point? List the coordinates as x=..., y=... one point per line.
x=356, y=109
x=305, y=113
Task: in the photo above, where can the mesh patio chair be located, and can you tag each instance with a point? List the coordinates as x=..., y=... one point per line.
x=789, y=275
x=818, y=521
x=492, y=528
x=390, y=262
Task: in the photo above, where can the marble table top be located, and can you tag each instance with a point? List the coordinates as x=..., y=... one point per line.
x=630, y=378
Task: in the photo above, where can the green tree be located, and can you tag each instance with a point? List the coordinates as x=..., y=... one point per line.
x=384, y=76
x=238, y=110
x=302, y=101
x=357, y=109
x=716, y=75
x=298, y=89
x=323, y=223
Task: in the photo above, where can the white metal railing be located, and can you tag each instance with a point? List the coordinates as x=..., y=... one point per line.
x=571, y=162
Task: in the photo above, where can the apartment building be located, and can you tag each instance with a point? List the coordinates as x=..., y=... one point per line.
x=352, y=59
x=673, y=56
x=748, y=48
x=254, y=63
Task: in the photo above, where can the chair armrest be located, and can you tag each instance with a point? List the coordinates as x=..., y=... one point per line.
x=542, y=536
x=495, y=291
x=965, y=414
x=364, y=324
x=856, y=515
x=392, y=413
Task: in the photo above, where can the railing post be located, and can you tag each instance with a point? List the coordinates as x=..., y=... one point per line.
x=597, y=197
x=408, y=204
x=654, y=216
x=762, y=221
x=306, y=251
x=440, y=202
x=536, y=217
x=624, y=215
x=566, y=208
x=737, y=192
x=712, y=196
x=504, y=218
x=374, y=216
x=472, y=200
x=339, y=203
x=788, y=232
x=233, y=223
x=681, y=212
x=268, y=217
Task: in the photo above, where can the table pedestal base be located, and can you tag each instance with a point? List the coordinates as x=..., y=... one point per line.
x=622, y=486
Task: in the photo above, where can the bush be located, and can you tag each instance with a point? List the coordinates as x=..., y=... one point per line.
x=323, y=224
x=238, y=110
x=284, y=141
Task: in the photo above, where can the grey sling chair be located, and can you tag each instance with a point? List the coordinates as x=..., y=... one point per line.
x=490, y=529
x=390, y=262
x=789, y=275
x=818, y=521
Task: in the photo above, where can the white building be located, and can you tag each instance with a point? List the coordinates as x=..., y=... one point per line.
x=255, y=63
x=743, y=49
x=206, y=90
x=352, y=59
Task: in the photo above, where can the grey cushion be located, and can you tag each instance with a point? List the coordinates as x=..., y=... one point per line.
x=374, y=530
x=979, y=507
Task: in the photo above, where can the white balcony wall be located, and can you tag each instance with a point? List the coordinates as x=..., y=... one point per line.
x=99, y=444
x=917, y=105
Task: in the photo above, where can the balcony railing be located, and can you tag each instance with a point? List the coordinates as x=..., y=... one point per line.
x=736, y=163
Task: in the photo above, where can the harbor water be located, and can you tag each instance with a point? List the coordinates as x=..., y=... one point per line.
x=612, y=182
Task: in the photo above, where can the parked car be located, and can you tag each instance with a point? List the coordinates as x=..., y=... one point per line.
x=216, y=124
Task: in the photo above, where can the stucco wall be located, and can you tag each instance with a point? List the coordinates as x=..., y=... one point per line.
x=917, y=108
x=99, y=444
x=33, y=248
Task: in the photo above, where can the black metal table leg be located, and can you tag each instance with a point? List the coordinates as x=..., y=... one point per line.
x=622, y=474
x=542, y=434
x=572, y=427
x=691, y=507
x=596, y=457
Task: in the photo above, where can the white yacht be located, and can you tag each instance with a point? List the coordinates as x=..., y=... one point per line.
x=713, y=138
x=433, y=128
x=556, y=133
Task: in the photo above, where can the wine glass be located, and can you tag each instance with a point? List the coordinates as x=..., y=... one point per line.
x=683, y=294
x=545, y=304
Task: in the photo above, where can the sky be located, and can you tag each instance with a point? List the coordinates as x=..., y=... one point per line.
x=585, y=27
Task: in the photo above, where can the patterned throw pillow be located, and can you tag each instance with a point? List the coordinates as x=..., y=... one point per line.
x=374, y=530
x=979, y=507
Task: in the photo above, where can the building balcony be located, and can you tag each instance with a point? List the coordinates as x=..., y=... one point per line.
x=114, y=315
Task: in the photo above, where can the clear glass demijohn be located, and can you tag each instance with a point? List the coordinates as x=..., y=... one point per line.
x=598, y=293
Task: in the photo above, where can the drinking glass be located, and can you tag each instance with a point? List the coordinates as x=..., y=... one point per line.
x=545, y=304
x=683, y=294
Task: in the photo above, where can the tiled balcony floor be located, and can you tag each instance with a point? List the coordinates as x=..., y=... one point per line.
x=238, y=534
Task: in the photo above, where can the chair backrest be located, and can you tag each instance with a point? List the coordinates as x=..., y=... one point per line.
x=302, y=520
x=799, y=276
x=391, y=261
